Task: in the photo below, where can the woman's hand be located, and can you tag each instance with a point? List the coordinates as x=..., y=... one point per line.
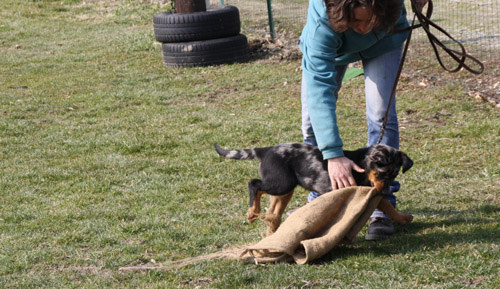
x=420, y=4
x=339, y=170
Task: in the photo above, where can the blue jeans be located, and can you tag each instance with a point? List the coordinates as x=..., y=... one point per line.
x=380, y=73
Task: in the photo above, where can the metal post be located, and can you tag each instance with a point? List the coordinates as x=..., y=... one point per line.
x=270, y=16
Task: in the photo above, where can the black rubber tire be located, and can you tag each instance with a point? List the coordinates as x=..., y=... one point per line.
x=203, y=53
x=216, y=22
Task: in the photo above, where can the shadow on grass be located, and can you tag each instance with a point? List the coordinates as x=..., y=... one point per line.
x=453, y=227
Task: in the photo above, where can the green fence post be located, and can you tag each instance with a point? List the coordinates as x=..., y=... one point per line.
x=270, y=16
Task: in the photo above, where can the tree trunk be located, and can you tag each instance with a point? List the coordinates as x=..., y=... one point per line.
x=190, y=6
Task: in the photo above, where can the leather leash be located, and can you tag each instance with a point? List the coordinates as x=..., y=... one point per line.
x=459, y=56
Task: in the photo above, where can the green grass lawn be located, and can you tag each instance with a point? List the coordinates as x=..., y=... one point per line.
x=107, y=160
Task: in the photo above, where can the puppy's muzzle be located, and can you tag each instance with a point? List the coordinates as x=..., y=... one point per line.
x=382, y=186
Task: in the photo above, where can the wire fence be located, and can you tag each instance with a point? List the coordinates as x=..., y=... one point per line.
x=475, y=23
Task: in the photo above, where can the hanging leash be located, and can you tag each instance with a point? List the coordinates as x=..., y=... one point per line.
x=459, y=56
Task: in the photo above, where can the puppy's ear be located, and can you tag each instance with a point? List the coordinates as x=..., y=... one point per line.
x=407, y=162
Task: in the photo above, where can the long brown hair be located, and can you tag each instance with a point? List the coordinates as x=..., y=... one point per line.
x=385, y=13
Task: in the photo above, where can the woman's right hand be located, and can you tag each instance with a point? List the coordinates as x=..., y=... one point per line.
x=340, y=172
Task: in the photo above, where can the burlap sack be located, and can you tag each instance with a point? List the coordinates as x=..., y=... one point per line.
x=307, y=234
x=316, y=228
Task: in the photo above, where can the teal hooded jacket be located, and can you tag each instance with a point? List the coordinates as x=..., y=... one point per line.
x=322, y=50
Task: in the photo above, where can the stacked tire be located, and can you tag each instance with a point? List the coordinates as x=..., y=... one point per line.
x=204, y=38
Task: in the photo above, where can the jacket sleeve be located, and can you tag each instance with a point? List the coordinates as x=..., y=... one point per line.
x=319, y=47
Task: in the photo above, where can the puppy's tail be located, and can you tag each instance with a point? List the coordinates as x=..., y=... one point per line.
x=246, y=154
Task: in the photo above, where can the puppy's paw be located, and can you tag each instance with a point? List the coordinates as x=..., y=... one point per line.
x=404, y=219
x=252, y=215
x=272, y=222
x=408, y=218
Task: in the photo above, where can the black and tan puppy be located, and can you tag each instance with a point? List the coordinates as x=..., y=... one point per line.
x=287, y=165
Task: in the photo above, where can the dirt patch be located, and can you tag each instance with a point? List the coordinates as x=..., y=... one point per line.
x=282, y=48
x=486, y=88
